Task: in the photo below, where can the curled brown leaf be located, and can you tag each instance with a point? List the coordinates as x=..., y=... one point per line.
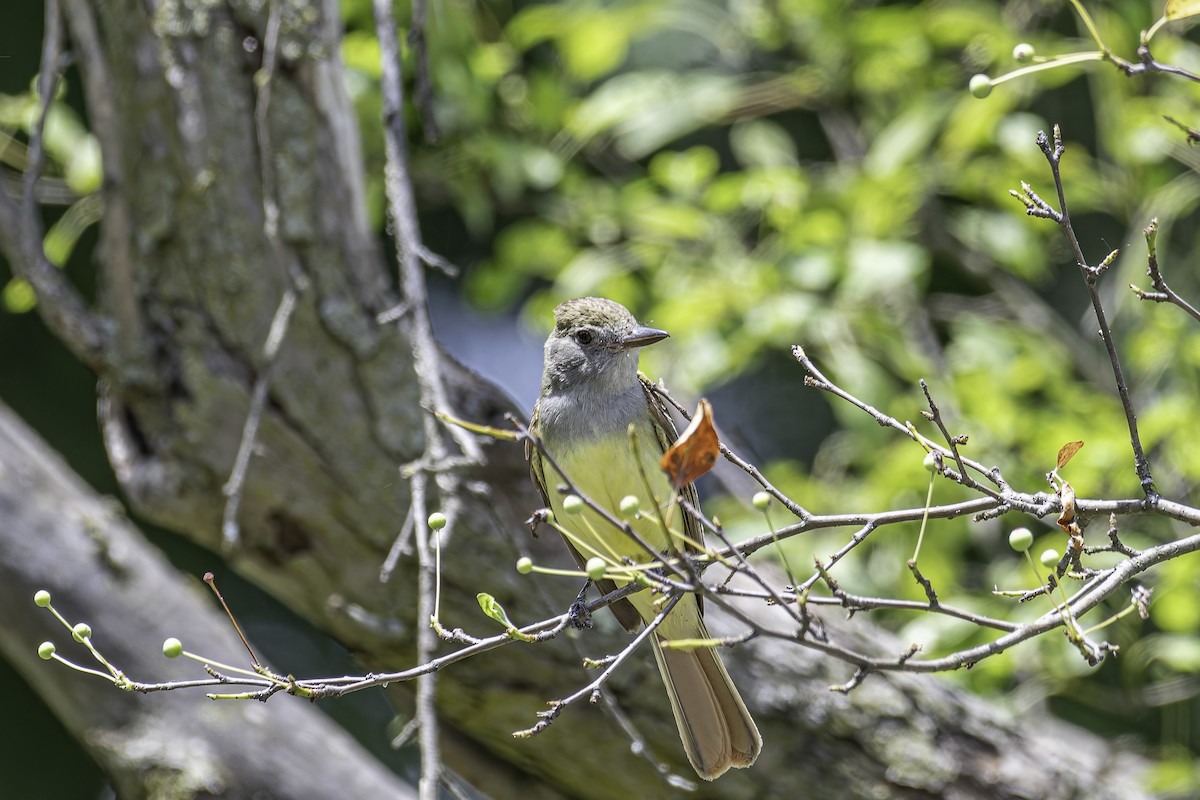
x=695, y=452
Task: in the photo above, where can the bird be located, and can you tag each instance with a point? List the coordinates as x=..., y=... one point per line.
x=592, y=402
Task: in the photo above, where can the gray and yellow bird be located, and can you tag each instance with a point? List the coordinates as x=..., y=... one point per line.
x=591, y=395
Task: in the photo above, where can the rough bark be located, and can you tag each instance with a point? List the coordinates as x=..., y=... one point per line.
x=191, y=285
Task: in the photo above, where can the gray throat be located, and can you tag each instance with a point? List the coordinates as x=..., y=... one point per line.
x=584, y=412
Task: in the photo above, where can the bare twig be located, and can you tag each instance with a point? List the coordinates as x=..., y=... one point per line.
x=400, y=546
x=428, y=371
x=733, y=458
x=1147, y=64
x=1053, y=151
x=284, y=257
x=426, y=699
x=817, y=380
x=230, y=530
x=605, y=514
x=416, y=40
x=963, y=476
x=122, y=298
x=1162, y=292
x=593, y=688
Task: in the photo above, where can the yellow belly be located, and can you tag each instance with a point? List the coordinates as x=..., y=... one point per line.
x=606, y=471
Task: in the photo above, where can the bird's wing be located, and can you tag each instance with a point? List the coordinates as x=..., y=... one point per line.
x=667, y=434
x=622, y=609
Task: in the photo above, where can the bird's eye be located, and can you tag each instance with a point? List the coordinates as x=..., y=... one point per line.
x=584, y=337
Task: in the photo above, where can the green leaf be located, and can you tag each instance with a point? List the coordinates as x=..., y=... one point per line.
x=594, y=45
x=1178, y=9
x=360, y=52
x=761, y=143
x=687, y=172
x=878, y=268
x=646, y=110
x=492, y=608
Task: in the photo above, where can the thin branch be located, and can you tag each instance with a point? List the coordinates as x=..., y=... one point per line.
x=230, y=530
x=427, y=368
x=48, y=76
x=296, y=281
x=1147, y=64
x=817, y=380
x=400, y=546
x=593, y=688
x=605, y=514
x=963, y=476
x=1053, y=151
x=127, y=336
x=1162, y=292
x=733, y=458
x=402, y=208
x=426, y=696
x=416, y=40
x=737, y=553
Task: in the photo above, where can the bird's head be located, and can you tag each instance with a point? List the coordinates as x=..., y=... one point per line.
x=595, y=342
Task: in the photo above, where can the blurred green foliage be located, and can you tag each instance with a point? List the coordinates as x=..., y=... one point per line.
x=751, y=175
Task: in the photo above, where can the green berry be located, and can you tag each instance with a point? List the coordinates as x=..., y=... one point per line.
x=573, y=504
x=524, y=565
x=172, y=648
x=1021, y=539
x=437, y=521
x=930, y=462
x=1023, y=53
x=549, y=516
x=761, y=501
x=595, y=567
x=630, y=505
x=46, y=650
x=42, y=598
x=1049, y=557
x=980, y=85
x=81, y=631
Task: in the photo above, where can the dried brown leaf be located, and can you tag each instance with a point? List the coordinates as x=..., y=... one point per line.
x=695, y=452
x=1067, y=452
x=1066, y=520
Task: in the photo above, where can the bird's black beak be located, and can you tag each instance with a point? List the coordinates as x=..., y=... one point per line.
x=641, y=336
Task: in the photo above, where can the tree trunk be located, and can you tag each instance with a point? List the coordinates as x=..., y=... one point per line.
x=192, y=280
